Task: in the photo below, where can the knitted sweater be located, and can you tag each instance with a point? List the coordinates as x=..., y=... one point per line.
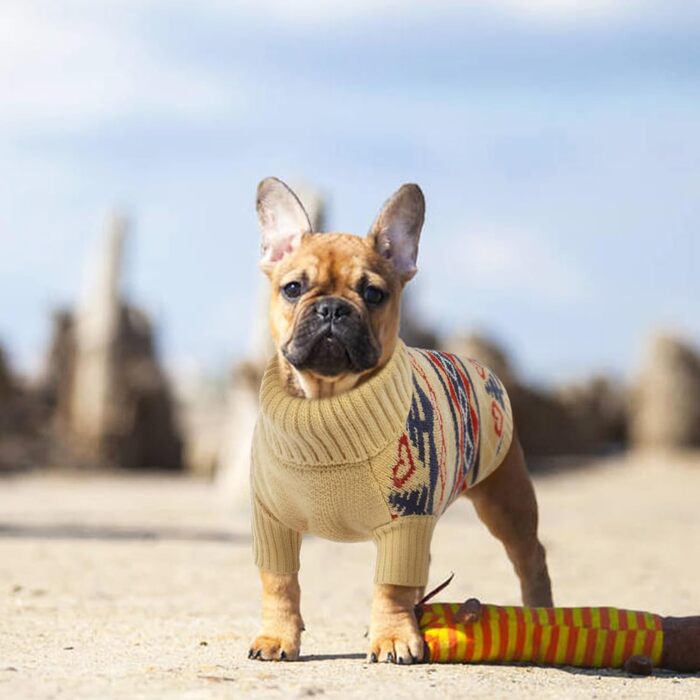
x=380, y=462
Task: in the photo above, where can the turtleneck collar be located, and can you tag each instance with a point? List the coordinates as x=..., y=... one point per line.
x=344, y=429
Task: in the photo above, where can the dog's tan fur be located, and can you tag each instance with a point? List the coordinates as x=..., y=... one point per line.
x=334, y=264
x=282, y=623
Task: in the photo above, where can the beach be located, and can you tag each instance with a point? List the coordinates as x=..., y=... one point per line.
x=117, y=586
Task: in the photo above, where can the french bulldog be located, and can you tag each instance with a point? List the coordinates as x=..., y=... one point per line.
x=334, y=317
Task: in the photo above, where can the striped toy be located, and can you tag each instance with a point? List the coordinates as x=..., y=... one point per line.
x=584, y=637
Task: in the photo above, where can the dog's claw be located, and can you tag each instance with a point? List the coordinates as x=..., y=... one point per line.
x=373, y=658
x=269, y=648
x=400, y=660
x=390, y=658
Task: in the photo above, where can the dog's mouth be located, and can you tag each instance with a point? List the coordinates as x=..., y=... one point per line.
x=329, y=357
x=330, y=350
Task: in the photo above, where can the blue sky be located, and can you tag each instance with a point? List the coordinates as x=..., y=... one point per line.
x=557, y=143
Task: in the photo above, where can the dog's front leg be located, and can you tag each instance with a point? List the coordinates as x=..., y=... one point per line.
x=393, y=632
x=280, y=636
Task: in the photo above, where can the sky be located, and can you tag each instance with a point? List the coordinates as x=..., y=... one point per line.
x=557, y=143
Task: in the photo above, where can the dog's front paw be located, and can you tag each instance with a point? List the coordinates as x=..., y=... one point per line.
x=397, y=641
x=267, y=648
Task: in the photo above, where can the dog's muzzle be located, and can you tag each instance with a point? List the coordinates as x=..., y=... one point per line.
x=332, y=337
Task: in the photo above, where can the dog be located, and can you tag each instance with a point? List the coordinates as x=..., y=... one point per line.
x=360, y=437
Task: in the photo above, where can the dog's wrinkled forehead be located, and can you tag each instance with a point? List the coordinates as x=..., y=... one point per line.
x=335, y=263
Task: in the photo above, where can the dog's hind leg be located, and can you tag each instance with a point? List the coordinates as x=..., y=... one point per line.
x=505, y=502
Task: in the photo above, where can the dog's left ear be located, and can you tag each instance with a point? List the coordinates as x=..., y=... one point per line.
x=283, y=221
x=396, y=231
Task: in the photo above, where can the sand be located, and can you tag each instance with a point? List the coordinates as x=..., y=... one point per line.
x=142, y=587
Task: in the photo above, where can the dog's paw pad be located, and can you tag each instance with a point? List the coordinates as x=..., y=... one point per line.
x=266, y=648
x=395, y=650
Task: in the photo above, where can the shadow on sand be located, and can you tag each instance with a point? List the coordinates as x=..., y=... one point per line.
x=77, y=531
x=593, y=672
x=333, y=657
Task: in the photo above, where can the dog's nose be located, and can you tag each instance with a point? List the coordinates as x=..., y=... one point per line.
x=332, y=308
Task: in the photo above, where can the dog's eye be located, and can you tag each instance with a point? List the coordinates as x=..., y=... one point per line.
x=373, y=295
x=292, y=290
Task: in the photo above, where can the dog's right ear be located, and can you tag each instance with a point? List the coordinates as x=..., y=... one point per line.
x=283, y=221
x=396, y=231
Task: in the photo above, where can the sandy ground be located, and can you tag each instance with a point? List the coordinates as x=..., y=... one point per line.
x=118, y=587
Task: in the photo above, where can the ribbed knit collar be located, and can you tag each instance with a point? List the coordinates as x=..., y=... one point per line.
x=344, y=429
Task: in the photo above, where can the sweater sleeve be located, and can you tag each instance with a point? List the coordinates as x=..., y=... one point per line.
x=275, y=546
x=403, y=550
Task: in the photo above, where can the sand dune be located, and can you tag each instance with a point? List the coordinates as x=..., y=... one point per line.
x=143, y=587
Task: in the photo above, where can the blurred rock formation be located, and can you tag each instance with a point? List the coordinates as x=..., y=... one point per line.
x=484, y=349
x=109, y=392
x=201, y=400
x=60, y=367
x=580, y=419
x=104, y=398
x=242, y=410
x=414, y=331
x=599, y=407
x=6, y=383
x=665, y=400
x=24, y=440
x=8, y=395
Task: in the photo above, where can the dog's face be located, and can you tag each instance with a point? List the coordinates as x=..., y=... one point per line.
x=336, y=297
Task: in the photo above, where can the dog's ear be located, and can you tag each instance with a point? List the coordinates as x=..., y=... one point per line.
x=396, y=231
x=283, y=221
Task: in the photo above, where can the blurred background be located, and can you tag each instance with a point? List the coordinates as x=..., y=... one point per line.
x=558, y=146
x=557, y=143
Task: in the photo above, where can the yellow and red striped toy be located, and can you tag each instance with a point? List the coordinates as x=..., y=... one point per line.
x=585, y=637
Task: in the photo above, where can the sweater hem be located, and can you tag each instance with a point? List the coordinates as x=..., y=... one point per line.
x=403, y=550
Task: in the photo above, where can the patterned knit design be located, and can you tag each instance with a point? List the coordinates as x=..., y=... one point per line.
x=582, y=637
x=458, y=430
x=380, y=462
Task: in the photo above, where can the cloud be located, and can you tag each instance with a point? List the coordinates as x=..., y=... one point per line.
x=336, y=12
x=505, y=262
x=74, y=64
x=571, y=10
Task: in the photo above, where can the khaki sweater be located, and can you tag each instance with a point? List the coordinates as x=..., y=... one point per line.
x=381, y=462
